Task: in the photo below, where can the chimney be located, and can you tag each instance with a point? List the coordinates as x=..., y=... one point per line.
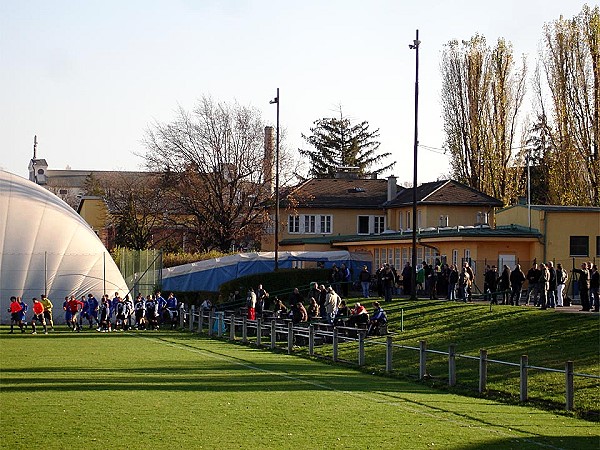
x=392, y=188
x=269, y=160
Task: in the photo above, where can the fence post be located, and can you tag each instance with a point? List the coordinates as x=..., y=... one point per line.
x=482, y=370
x=258, y=332
x=422, y=359
x=220, y=323
x=211, y=318
x=523, y=380
x=452, y=365
x=232, y=328
x=335, y=344
x=244, y=329
x=311, y=339
x=570, y=389
x=192, y=314
x=273, y=334
x=290, y=337
x=361, y=348
x=181, y=316
x=402, y=319
x=200, y=321
x=388, y=354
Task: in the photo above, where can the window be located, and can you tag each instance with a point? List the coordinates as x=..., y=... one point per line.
x=408, y=225
x=371, y=224
x=293, y=224
x=419, y=221
x=379, y=222
x=383, y=256
x=377, y=258
x=400, y=221
x=404, y=256
x=579, y=246
x=363, y=224
x=310, y=224
x=326, y=224
x=397, y=261
x=455, y=257
x=597, y=245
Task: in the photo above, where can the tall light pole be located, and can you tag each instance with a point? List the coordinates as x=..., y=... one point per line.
x=415, y=46
x=276, y=100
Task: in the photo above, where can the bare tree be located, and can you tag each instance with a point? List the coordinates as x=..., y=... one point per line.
x=482, y=93
x=213, y=159
x=138, y=213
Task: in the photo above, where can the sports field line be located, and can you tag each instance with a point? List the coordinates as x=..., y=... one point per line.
x=372, y=397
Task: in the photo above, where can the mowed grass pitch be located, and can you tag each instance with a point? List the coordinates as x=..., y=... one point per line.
x=178, y=390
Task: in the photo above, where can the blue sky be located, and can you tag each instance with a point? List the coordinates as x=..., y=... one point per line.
x=89, y=77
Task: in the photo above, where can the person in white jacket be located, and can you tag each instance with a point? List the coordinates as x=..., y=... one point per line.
x=332, y=302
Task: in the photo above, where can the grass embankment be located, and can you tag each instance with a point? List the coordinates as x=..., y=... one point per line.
x=144, y=390
x=548, y=338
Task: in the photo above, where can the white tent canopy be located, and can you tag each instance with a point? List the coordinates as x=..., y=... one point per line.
x=46, y=247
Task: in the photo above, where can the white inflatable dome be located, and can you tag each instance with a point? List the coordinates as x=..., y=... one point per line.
x=45, y=246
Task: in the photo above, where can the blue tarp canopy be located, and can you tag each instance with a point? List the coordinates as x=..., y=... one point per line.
x=208, y=275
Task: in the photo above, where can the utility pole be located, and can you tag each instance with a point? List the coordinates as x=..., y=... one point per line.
x=415, y=46
x=276, y=100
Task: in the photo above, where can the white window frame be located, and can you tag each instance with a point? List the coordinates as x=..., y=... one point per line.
x=378, y=224
x=375, y=223
x=293, y=224
x=309, y=223
x=326, y=224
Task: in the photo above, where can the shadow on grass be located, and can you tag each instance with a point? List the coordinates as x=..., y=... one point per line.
x=562, y=442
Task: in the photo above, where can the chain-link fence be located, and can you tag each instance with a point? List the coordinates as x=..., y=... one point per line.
x=142, y=270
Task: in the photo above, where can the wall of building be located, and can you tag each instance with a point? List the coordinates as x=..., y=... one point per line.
x=558, y=227
x=430, y=216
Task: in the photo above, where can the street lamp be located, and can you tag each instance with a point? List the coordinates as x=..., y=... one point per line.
x=276, y=100
x=415, y=46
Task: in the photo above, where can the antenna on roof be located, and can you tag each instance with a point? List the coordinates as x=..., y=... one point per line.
x=35, y=147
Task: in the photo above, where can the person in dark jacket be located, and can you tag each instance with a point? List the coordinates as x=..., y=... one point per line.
x=533, y=284
x=504, y=284
x=595, y=288
x=491, y=280
x=365, y=281
x=517, y=278
x=584, y=286
x=552, y=285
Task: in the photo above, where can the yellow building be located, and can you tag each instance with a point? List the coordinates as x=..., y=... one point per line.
x=455, y=223
x=569, y=234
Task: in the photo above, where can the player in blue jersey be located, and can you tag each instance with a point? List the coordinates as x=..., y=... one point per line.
x=173, y=307
x=140, y=312
x=152, y=312
x=68, y=315
x=93, y=308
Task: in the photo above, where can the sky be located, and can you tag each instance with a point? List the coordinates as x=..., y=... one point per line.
x=90, y=77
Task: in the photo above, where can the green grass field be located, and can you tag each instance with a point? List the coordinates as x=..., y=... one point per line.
x=179, y=390
x=548, y=338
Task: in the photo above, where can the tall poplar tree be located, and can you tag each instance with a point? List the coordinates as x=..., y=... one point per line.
x=482, y=93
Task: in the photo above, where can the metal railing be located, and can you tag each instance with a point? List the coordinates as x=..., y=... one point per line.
x=277, y=331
